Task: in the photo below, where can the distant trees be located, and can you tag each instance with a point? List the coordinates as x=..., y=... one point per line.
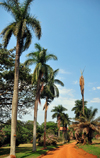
x=57, y=113
x=78, y=108
x=24, y=131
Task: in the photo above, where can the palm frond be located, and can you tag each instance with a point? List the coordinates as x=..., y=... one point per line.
x=7, y=36
x=27, y=40
x=27, y=4
x=56, y=91
x=51, y=56
x=6, y=6
x=29, y=62
x=38, y=47
x=10, y=7
x=33, y=55
x=55, y=72
x=35, y=25
x=59, y=82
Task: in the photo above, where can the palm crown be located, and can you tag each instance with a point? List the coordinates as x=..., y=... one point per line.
x=50, y=89
x=22, y=23
x=58, y=111
x=40, y=57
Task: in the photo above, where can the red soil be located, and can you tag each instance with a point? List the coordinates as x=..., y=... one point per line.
x=68, y=151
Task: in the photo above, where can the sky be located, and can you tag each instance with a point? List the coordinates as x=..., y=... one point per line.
x=71, y=31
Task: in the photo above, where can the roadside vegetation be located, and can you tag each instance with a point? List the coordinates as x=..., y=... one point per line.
x=25, y=150
x=92, y=149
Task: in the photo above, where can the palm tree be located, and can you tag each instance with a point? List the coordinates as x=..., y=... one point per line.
x=20, y=28
x=78, y=108
x=50, y=91
x=86, y=126
x=58, y=113
x=65, y=121
x=40, y=57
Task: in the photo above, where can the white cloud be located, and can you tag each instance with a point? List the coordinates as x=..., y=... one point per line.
x=64, y=91
x=63, y=71
x=94, y=88
x=75, y=82
x=95, y=100
x=64, y=101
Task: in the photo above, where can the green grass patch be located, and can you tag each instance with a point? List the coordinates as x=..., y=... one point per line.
x=92, y=149
x=25, y=152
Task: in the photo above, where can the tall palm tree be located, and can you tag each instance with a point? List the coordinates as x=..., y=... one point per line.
x=58, y=113
x=20, y=28
x=78, y=108
x=40, y=57
x=50, y=91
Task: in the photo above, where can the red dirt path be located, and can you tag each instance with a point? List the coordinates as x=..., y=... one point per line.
x=68, y=151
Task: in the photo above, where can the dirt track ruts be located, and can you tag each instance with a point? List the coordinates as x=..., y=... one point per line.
x=68, y=151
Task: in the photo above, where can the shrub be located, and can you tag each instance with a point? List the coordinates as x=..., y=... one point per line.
x=51, y=139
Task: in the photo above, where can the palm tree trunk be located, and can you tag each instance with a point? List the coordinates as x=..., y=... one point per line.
x=66, y=131
x=35, y=113
x=34, y=127
x=15, y=100
x=58, y=127
x=83, y=102
x=45, y=119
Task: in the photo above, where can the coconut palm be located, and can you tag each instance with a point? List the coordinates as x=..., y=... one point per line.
x=58, y=113
x=78, y=108
x=65, y=120
x=20, y=28
x=50, y=91
x=40, y=74
x=86, y=126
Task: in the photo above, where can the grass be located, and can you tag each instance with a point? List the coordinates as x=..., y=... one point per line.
x=92, y=149
x=25, y=151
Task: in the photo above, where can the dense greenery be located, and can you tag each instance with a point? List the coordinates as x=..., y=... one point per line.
x=25, y=95
x=24, y=132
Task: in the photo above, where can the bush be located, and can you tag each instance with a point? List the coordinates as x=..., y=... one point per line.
x=51, y=139
x=60, y=139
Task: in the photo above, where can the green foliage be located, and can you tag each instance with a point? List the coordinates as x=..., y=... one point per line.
x=51, y=139
x=22, y=23
x=24, y=132
x=26, y=96
x=78, y=108
x=50, y=126
x=58, y=111
x=92, y=149
x=86, y=125
x=24, y=151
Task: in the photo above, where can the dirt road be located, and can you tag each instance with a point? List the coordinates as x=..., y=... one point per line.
x=68, y=151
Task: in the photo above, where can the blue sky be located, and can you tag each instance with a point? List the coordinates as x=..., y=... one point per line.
x=71, y=31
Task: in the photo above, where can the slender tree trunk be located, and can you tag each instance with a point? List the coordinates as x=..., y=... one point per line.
x=83, y=102
x=58, y=127
x=66, y=132
x=35, y=113
x=15, y=101
x=45, y=119
x=63, y=134
x=34, y=127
